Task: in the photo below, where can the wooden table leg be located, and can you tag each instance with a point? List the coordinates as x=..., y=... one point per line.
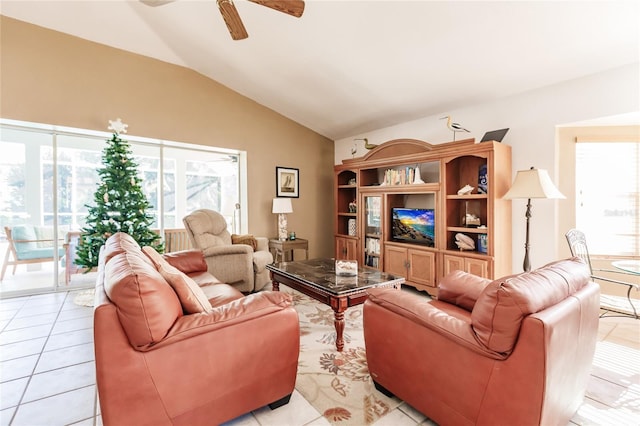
x=275, y=285
x=339, y=324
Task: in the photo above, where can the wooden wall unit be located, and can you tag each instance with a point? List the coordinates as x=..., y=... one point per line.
x=346, y=193
x=445, y=169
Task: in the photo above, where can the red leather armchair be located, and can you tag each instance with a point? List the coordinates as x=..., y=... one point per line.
x=157, y=365
x=515, y=351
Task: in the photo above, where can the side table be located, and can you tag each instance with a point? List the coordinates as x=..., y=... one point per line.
x=283, y=250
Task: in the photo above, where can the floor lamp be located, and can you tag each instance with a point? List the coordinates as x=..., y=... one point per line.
x=532, y=183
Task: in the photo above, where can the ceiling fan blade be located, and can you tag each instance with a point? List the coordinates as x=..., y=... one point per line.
x=232, y=19
x=155, y=3
x=290, y=7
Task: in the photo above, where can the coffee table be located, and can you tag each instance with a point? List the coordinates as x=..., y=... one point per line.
x=317, y=279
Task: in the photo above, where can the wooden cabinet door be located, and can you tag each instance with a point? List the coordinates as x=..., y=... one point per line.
x=477, y=267
x=452, y=263
x=352, y=249
x=422, y=267
x=395, y=260
x=346, y=248
x=473, y=266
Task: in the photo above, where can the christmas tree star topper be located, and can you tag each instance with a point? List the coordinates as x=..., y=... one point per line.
x=118, y=126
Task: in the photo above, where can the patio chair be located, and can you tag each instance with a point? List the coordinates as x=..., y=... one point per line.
x=29, y=244
x=611, y=305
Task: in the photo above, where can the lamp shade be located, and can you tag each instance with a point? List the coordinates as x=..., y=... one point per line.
x=533, y=183
x=282, y=205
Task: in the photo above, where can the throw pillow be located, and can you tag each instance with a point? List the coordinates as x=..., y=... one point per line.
x=248, y=239
x=25, y=233
x=192, y=298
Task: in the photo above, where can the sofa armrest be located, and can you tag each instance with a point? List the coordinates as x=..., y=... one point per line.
x=426, y=313
x=187, y=261
x=263, y=244
x=238, y=311
x=227, y=250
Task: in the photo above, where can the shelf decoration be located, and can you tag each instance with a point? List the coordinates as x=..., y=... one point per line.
x=352, y=227
x=482, y=179
x=416, y=178
x=405, y=176
x=465, y=190
x=464, y=242
x=482, y=243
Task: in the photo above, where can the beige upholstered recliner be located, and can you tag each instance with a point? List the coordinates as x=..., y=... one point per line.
x=235, y=264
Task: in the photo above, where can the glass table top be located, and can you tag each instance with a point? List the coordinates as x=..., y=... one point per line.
x=632, y=266
x=321, y=273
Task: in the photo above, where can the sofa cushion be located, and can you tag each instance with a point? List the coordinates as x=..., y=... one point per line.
x=119, y=243
x=221, y=294
x=204, y=278
x=147, y=306
x=248, y=239
x=498, y=312
x=45, y=235
x=26, y=233
x=192, y=298
x=40, y=253
x=461, y=289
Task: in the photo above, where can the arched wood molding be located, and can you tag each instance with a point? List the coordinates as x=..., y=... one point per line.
x=405, y=148
x=397, y=148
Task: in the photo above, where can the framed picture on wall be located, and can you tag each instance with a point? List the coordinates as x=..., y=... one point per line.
x=287, y=182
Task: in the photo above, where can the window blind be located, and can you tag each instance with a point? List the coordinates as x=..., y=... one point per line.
x=608, y=196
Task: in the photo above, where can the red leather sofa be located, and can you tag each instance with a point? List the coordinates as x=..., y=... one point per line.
x=515, y=351
x=157, y=365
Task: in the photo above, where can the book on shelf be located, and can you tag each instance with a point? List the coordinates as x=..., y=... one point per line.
x=372, y=246
x=404, y=176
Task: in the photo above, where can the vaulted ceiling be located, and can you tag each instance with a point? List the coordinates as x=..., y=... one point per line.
x=347, y=67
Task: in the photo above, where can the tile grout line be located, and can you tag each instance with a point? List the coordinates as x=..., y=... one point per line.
x=12, y=317
x=13, y=416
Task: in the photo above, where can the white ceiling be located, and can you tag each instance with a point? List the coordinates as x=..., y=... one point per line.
x=348, y=67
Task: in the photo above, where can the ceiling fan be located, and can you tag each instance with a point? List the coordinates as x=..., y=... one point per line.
x=232, y=18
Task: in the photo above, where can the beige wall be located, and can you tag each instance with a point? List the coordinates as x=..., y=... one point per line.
x=50, y=77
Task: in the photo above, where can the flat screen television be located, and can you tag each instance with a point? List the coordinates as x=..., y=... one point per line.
x=416, y=226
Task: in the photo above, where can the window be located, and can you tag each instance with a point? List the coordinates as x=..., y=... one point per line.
x=608, y=196
x=12, y=178
x=177, y=178
x=76, y=183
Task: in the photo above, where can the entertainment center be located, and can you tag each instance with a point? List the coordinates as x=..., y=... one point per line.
x=421, y=210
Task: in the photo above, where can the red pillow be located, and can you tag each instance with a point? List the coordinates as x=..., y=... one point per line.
x=192, y=298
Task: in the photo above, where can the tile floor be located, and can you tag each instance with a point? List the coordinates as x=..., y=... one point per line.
x=47, y=372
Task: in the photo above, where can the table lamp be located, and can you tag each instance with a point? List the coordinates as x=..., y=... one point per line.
x=532, y=183
x=282, y=206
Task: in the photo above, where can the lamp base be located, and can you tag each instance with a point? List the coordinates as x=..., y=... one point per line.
x=526, y=264
x=282, y=227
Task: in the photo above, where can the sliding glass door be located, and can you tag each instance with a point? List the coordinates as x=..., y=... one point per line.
x=48, y=177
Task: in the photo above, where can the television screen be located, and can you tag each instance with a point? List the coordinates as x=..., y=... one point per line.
x=413, y=226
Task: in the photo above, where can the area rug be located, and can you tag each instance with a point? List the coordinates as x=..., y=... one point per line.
x=337, y=384
x=84, y=298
